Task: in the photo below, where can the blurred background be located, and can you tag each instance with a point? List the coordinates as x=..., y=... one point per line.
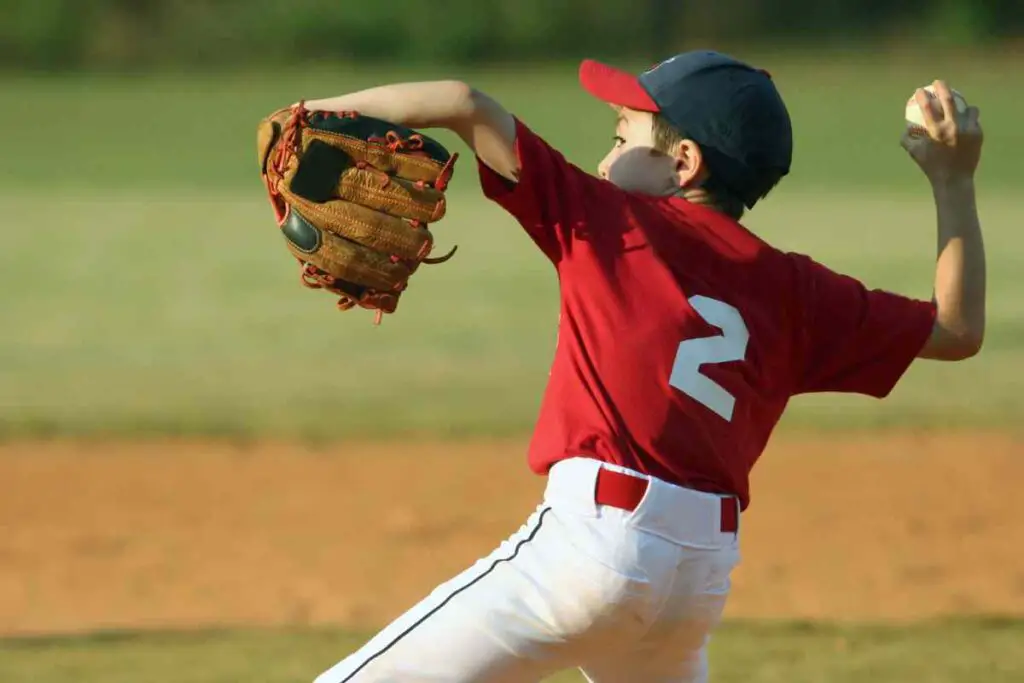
x=203, y=463
x=142, y=34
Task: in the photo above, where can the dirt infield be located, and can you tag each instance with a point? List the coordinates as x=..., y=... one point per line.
x=185, y=534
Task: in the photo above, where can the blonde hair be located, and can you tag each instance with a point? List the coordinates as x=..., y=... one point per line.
x=667, y=140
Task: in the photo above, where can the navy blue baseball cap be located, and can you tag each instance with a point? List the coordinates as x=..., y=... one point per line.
x=729, y=108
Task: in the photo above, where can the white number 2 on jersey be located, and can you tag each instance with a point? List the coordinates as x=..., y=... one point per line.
x=729, y=346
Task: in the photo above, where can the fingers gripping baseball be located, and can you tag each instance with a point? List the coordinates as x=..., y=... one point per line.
x=944, y=137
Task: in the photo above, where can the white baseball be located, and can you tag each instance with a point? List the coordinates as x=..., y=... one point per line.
x=914, y=116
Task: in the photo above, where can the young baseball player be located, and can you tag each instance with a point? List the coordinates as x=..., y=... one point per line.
x=682, y=336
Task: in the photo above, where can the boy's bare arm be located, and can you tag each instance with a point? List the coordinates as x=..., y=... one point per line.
x=949, y=157
x=478, y=119
x=959, y=274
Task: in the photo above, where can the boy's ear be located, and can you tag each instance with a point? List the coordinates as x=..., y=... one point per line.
x=689, y=166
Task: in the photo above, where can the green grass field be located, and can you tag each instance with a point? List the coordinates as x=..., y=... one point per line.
x=173, y=132
x=185, y=315
x=942, y=652
x=147, y=290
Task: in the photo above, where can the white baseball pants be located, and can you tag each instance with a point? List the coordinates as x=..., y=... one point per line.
x=626, y=596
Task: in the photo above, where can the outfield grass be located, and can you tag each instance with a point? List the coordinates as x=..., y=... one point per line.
x=148, y=314
x=946, y=652
x=197, y=131
x=147, y=291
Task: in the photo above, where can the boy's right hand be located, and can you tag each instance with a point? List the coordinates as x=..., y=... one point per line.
x=952, y=148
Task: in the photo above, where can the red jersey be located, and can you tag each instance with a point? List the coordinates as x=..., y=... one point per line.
x=682, y=335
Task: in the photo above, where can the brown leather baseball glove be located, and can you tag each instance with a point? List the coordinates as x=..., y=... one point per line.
x=353, y=196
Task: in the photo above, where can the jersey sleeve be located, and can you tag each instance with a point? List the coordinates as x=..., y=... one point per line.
x=852, y=339
x=552, y=197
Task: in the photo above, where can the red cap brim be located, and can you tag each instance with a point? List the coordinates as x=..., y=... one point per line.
x=614, y=86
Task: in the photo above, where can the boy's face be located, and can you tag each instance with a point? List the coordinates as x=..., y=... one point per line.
x=636, y=166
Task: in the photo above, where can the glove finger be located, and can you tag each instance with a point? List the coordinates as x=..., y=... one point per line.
x=374, y=229
x=350, y=294
x=268, y=133
x=370, y=139
x=325, y=173
x=415, y=167
x=341, y=258
x=394, y=196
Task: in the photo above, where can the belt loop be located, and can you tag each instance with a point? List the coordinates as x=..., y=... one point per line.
x=571, y=483
x=730, y=515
